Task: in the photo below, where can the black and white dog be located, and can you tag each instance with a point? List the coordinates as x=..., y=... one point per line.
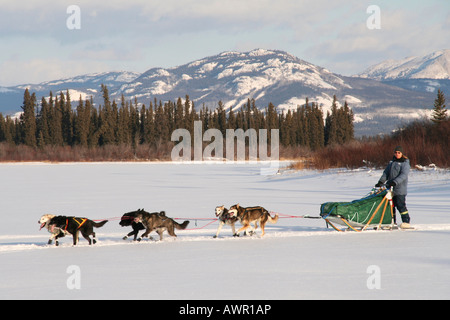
x=56, y=232
x=76, y=225
x=225, y=217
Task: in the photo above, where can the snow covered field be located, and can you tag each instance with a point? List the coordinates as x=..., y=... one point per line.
x=297, y=259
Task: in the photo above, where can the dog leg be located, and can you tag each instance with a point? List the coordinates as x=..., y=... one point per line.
x=75, y=238
x=146, y=233
x=56, y=240
x=86, y=236
x=128, y=235
x=56, y=236
x=253, y=231
x=220, y=228
x=262, y=228
x=241, y=229
x=170, y=230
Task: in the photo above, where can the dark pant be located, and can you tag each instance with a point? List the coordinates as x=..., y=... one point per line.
x=400, y=205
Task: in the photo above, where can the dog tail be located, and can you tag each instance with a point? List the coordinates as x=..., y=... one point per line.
x=272, y=220
x=99, y=224
x=181, y=226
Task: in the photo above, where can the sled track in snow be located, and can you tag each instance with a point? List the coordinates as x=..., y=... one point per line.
x=21, y=243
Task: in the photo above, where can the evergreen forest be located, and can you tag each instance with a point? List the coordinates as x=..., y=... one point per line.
x=55, y=122
x=56, y=128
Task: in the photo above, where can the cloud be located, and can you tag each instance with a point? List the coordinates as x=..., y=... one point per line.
x=32, y=71
x=118, y=34
x=405, y=31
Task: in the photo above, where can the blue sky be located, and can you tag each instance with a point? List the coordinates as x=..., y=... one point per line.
x=136, y=35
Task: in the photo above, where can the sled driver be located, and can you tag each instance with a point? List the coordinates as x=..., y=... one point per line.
x=396, y=175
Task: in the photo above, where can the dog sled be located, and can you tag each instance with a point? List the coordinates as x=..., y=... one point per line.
x=373, y=211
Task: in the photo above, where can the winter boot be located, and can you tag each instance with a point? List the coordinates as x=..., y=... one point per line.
x=405, y=225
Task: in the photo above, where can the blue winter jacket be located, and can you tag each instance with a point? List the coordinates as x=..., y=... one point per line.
x=397, y=170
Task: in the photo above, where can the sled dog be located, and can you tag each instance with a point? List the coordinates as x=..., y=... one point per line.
x=252, y=214
x=225, y=217
x=159, y=222
x=74, y=225
x=55, y=233
x=128, y=220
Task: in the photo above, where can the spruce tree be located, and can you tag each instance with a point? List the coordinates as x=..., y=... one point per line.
x=94, y=124
x=349, y=119
x=123, y=134
x=178, y=114
x=43, y=123
x=82, y=124
x=240, y=119
x=28, y=119
x=142, y=124
x=231, y=124
x=2, y=128
x=107, y=117
x=272, y=122
x=162, y=124
x=439, y=111
x=317, y=141
x=301, y=126
x=9, y=130
x=333, y=121
x=149, y=124
x=66, y=118
x=189, y=111
x=56, y=121
x=327, y=128
x=339, y=127
x=221, y=118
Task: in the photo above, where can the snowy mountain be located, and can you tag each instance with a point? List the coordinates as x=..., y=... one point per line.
x=432, y=66
x=233, y=77
x=11, y=98
x=427, y=73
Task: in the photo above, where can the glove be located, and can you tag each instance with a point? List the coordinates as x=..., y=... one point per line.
x=391, y=183
x=379, y=184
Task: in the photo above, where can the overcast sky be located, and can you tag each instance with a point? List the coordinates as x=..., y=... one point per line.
x=37, y=45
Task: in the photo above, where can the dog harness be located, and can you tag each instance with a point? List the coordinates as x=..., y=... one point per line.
x=83, y=220
x=228, y=217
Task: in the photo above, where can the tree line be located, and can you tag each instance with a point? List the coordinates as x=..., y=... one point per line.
x=55, y=122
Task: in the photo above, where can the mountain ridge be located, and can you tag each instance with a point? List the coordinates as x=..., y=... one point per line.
x=234, y=77
x=435, y=65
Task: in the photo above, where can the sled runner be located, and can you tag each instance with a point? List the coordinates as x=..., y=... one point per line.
x=374, y=210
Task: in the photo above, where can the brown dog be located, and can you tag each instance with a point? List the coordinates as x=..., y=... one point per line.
x=159, y=222
x=252, y=215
